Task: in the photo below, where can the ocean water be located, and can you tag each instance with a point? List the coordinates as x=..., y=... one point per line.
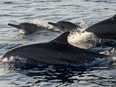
x=76, y=11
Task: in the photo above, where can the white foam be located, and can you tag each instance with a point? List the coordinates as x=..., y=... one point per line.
x=84, y=38
x=8, y=60
x=113, y=54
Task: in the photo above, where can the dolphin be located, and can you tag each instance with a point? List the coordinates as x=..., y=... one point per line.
x=65, y=25
x=104, y=29
x=57, y=51
x=26, y=28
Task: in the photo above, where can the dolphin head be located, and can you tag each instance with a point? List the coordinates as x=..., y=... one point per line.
x=25, y=27
x=14, y=25
x=65, y=25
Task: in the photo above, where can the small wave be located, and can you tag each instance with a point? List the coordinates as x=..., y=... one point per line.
x=8, y=46
x=104, y=1
x=106, y=42
x=8, y=2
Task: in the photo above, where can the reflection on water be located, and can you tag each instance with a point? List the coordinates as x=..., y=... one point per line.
x=60, y=76
x=49, y=74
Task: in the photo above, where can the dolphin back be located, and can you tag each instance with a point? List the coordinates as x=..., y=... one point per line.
x=104, y=29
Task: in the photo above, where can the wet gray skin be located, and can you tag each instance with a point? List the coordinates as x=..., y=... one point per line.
x=65, y=25
x=27, y=28
x=57, y=51
x=105, y=28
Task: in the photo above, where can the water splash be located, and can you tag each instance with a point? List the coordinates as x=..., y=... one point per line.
x=42, y=23
x=83, y=40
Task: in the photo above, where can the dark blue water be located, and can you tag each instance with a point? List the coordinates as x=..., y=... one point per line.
x=76, y=11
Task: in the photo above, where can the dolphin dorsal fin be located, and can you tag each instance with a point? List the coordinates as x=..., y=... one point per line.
x=62, y=38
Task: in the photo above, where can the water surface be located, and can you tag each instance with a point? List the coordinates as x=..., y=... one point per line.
x=76, y=11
